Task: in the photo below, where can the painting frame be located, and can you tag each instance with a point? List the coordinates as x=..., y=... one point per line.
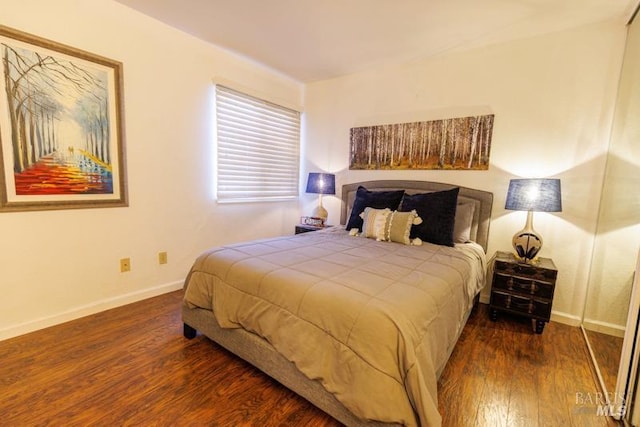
x=458, y=143
x=101, y=79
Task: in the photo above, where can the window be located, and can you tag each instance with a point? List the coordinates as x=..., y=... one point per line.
x=258, y=148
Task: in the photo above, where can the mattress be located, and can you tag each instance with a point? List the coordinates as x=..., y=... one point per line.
x=373, y=322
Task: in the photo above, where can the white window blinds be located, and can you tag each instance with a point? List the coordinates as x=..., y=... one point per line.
x=258, y=148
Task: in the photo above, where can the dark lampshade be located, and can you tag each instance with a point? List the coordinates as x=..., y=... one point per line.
x=538, y=195
x=321, y=183
x=532, y=195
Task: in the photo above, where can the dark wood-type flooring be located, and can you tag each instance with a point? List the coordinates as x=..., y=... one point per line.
x=607, y=350
x=502, y=374
x=131, y=366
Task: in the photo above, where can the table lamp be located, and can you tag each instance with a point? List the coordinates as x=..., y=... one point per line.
x=539, y=195
x=321, y=183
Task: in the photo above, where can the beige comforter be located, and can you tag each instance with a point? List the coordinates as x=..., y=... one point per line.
x=374, y=322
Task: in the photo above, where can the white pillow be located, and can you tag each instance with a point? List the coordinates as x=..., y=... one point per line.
x=373, y=222
x=463, y=222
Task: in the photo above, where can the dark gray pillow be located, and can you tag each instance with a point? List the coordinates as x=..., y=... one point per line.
x=372, y=199
x=438, y=212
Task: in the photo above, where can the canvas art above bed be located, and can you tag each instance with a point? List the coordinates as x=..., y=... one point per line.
x=462, y=143
x=358, y=319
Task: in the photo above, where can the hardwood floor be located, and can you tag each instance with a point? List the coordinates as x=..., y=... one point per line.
x=607, y=350
x=131, y=366
x=502, y=374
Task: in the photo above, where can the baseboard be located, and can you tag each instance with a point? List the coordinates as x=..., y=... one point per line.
x=567, y=319
x=604, y=327
x=86, y=310
x=485, y=298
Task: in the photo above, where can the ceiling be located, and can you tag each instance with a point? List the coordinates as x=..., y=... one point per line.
x=310, y=40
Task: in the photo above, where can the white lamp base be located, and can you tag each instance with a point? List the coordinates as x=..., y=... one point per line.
x=527, y=242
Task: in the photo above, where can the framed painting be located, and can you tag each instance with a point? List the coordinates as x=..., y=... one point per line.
x=451, y=144
x=61, y=126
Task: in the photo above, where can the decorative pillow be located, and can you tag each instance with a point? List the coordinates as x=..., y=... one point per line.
x=463, y=222
x=398, y=227
x=373, y=222
x=373, y=199
x=438, y=212
x=384, y=225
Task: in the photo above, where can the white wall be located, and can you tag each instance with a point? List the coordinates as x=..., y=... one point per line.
x=553, y=99
x=58, y=265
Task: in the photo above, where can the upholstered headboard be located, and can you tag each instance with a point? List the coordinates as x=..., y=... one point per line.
x=482, y=200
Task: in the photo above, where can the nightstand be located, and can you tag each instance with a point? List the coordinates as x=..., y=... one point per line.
x=304, y=228
x=524, y=289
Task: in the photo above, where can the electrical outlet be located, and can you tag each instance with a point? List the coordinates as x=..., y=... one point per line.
x=125, y=265
x=162, y=258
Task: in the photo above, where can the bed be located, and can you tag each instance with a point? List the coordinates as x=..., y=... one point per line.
x=361, y=327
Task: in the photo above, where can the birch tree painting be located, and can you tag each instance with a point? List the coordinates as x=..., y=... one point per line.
x=459, y=143
x=61, y=135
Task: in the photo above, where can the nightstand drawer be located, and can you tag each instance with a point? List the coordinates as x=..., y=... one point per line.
x=531, y=271
x=523, y=285
x=521, y=305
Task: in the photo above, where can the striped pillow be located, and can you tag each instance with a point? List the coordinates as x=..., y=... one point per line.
x=398, y=226
x=390, y=226
x=373, y=222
